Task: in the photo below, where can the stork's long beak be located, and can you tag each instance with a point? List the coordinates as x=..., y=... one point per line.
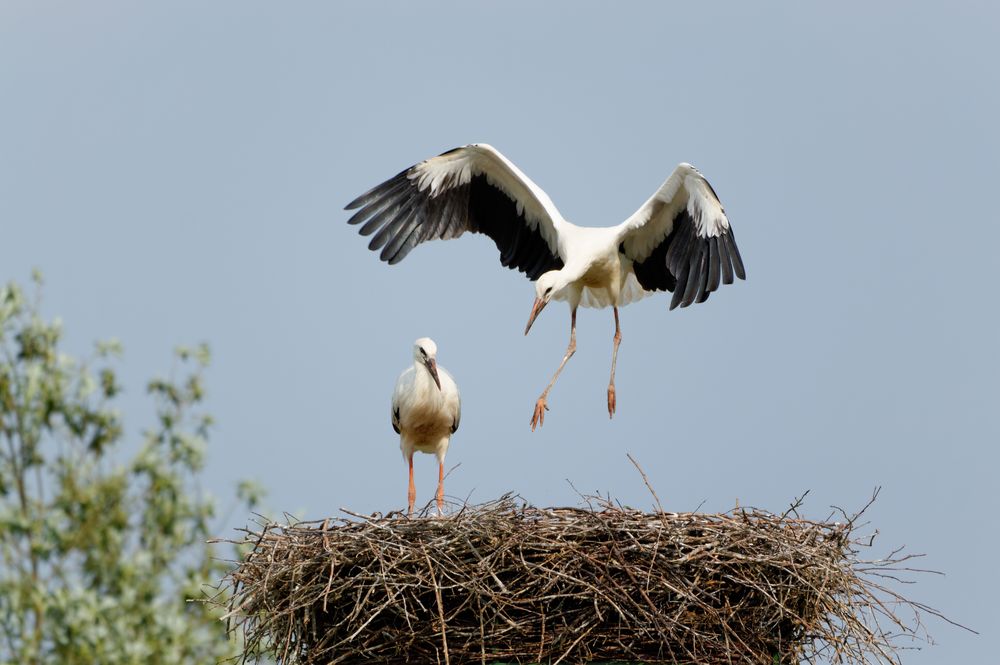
x=535, y=311
x=432, y=367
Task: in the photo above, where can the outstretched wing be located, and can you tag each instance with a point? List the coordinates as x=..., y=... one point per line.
x=472, y=188
x=680, y=240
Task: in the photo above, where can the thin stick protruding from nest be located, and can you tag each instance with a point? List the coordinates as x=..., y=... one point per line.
x=645, y=479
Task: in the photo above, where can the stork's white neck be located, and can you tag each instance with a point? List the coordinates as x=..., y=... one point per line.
x=423, y=382
x=573, y=272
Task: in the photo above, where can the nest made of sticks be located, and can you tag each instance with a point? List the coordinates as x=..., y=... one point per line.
x=505, y=581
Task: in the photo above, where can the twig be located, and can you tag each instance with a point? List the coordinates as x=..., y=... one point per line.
x=645, y=480
x=440, y=606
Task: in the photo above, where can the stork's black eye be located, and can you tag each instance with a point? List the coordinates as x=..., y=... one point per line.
x=422, y=352
x=548, y=290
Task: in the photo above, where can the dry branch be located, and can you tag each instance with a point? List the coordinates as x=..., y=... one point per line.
x=505, y=581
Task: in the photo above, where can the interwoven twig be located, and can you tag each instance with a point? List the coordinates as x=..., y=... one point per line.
x=505, y=581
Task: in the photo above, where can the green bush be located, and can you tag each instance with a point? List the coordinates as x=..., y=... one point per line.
x=102, y=554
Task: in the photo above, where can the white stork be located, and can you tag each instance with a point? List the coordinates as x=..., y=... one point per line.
x=426, y=410
x=679, y=240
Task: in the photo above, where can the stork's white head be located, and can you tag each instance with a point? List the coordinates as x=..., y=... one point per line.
x=547, y=287
x=425, y=354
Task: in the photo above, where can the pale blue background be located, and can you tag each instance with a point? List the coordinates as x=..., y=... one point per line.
x=178, y=171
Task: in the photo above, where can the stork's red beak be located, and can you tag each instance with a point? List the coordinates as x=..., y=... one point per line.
x=535, y=310
x=432, y=367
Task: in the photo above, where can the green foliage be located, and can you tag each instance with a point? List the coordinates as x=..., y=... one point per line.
x=100, y=554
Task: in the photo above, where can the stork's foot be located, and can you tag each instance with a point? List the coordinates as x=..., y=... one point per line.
x=538, y=417
x=611, y=401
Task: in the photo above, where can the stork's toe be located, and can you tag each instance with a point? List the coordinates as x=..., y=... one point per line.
x=538, y=417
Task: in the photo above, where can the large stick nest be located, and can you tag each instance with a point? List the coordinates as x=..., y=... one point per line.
x=505, y=581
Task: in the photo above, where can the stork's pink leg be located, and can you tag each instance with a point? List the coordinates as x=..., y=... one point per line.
x=538, y=418
x=440, y=492
x=411, y=495
x=614, y=360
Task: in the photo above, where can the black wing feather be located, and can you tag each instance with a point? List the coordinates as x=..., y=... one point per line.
x=689, y=265
x=377, y=205
x=380, y=214
x=694, y=274
x=727, y=263
x=405, y=240
x=713, y=265
x=734, y=254
x=679, y=290
x=397, y=221
x=404, y=217
x=377, y=191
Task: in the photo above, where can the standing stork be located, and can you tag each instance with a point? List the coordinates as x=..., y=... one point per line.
x=426, y=410
x=679, y=240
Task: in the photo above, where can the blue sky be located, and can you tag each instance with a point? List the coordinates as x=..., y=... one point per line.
x=178, y=171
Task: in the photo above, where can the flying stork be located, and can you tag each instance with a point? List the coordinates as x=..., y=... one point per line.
x=679, y=240
x=426, y=410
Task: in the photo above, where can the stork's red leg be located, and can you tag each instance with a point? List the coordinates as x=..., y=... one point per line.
x=614, y=361
x=538, y=417
x=411, y=495
x=440, y=492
